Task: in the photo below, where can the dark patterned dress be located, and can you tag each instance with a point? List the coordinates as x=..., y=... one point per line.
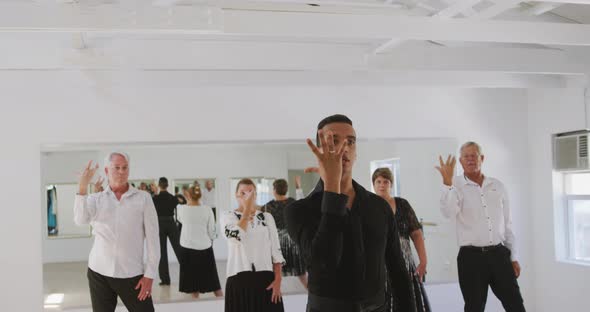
x=294, y=265
x=407, y=222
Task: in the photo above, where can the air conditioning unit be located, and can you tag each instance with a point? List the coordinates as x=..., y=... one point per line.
x=570, y=151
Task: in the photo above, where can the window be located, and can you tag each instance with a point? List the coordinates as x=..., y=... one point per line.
x=393, y=165
x=577, y=196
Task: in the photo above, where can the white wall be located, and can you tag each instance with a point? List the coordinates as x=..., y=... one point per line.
x=44, y=111
x=559, y=286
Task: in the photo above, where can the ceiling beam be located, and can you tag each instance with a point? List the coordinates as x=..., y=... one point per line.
x=196, y=20
x=404, y=28
x=541, y=8
x=499, y=7
x=182, y=55
x=111, y=81
x=456, y=8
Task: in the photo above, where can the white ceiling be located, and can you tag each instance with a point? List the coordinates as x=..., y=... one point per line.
x=469, y=38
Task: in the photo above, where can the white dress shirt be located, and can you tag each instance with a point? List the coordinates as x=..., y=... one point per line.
x=256, y=248
x=120, y=227
x=482, y=213
x=208, y=197
x=198, y=226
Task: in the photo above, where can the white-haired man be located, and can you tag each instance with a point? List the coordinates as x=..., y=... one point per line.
x=481, y=208
x=122, y=218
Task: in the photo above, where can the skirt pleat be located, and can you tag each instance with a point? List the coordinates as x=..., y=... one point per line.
x=198, y=271
x=246, y=292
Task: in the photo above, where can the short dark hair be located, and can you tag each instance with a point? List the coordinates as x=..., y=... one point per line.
x=384, y=173
x=163, y=182
x=328, y=120
x=281, y=186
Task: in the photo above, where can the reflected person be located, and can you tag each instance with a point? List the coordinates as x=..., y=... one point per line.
x=294, y=264
x=166, y=209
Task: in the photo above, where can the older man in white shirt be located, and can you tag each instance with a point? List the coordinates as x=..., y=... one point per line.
x=481, y=208
x=208, y=197
x=122, y=218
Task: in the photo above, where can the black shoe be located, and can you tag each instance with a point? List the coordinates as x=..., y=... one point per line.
x=164, y=284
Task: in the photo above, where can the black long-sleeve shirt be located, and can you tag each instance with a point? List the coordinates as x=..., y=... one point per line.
x=349, y=252
x=165, y=204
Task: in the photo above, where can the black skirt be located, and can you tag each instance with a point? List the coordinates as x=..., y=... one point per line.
x=294, y=264
x=198, y=271
x=246, y=292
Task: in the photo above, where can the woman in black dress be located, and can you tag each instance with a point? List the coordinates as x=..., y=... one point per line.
x=294, y=264
x=409, y=228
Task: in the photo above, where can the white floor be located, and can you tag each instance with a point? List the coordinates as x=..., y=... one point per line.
x=70, y=280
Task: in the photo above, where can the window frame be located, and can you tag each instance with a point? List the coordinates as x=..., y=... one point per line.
x=568, y=213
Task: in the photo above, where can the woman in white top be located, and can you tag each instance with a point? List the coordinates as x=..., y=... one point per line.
x=254, y=259
x=198, y=271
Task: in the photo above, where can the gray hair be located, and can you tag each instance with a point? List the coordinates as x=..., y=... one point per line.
x=109, y=158
x=469, y=144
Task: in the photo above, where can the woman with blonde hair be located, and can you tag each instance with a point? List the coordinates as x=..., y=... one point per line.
x=255, y=260
x=198, y=271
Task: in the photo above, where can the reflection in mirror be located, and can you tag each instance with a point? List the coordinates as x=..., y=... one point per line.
x=66, y=261
x=208, y=191
x=60, y=217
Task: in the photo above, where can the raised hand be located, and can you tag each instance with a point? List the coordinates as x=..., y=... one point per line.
x=298, y=182
x=154, y=188
x=250, y=203
x=247, y=201
x=85, y=178
x=311, y=169
x=98, y=185
x=329, y=160
x=447, y=169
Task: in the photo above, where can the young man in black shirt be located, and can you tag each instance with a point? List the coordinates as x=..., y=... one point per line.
x=165, y=207
x=347, y=234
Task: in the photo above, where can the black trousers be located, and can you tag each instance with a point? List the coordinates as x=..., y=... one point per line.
x=323, y=304
x=104, y=291
x=168, y=231
x=479, y=268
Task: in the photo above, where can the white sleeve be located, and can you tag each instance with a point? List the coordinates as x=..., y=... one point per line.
x=299, y=194
x=152, y=237
x=449, y=201
x=84, y=209
x=277, y=255
x=231, y=230
x=510, y=241
x=180, y=213
x=211, y=226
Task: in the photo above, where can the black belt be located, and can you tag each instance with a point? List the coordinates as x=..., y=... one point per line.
x=482, y=249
